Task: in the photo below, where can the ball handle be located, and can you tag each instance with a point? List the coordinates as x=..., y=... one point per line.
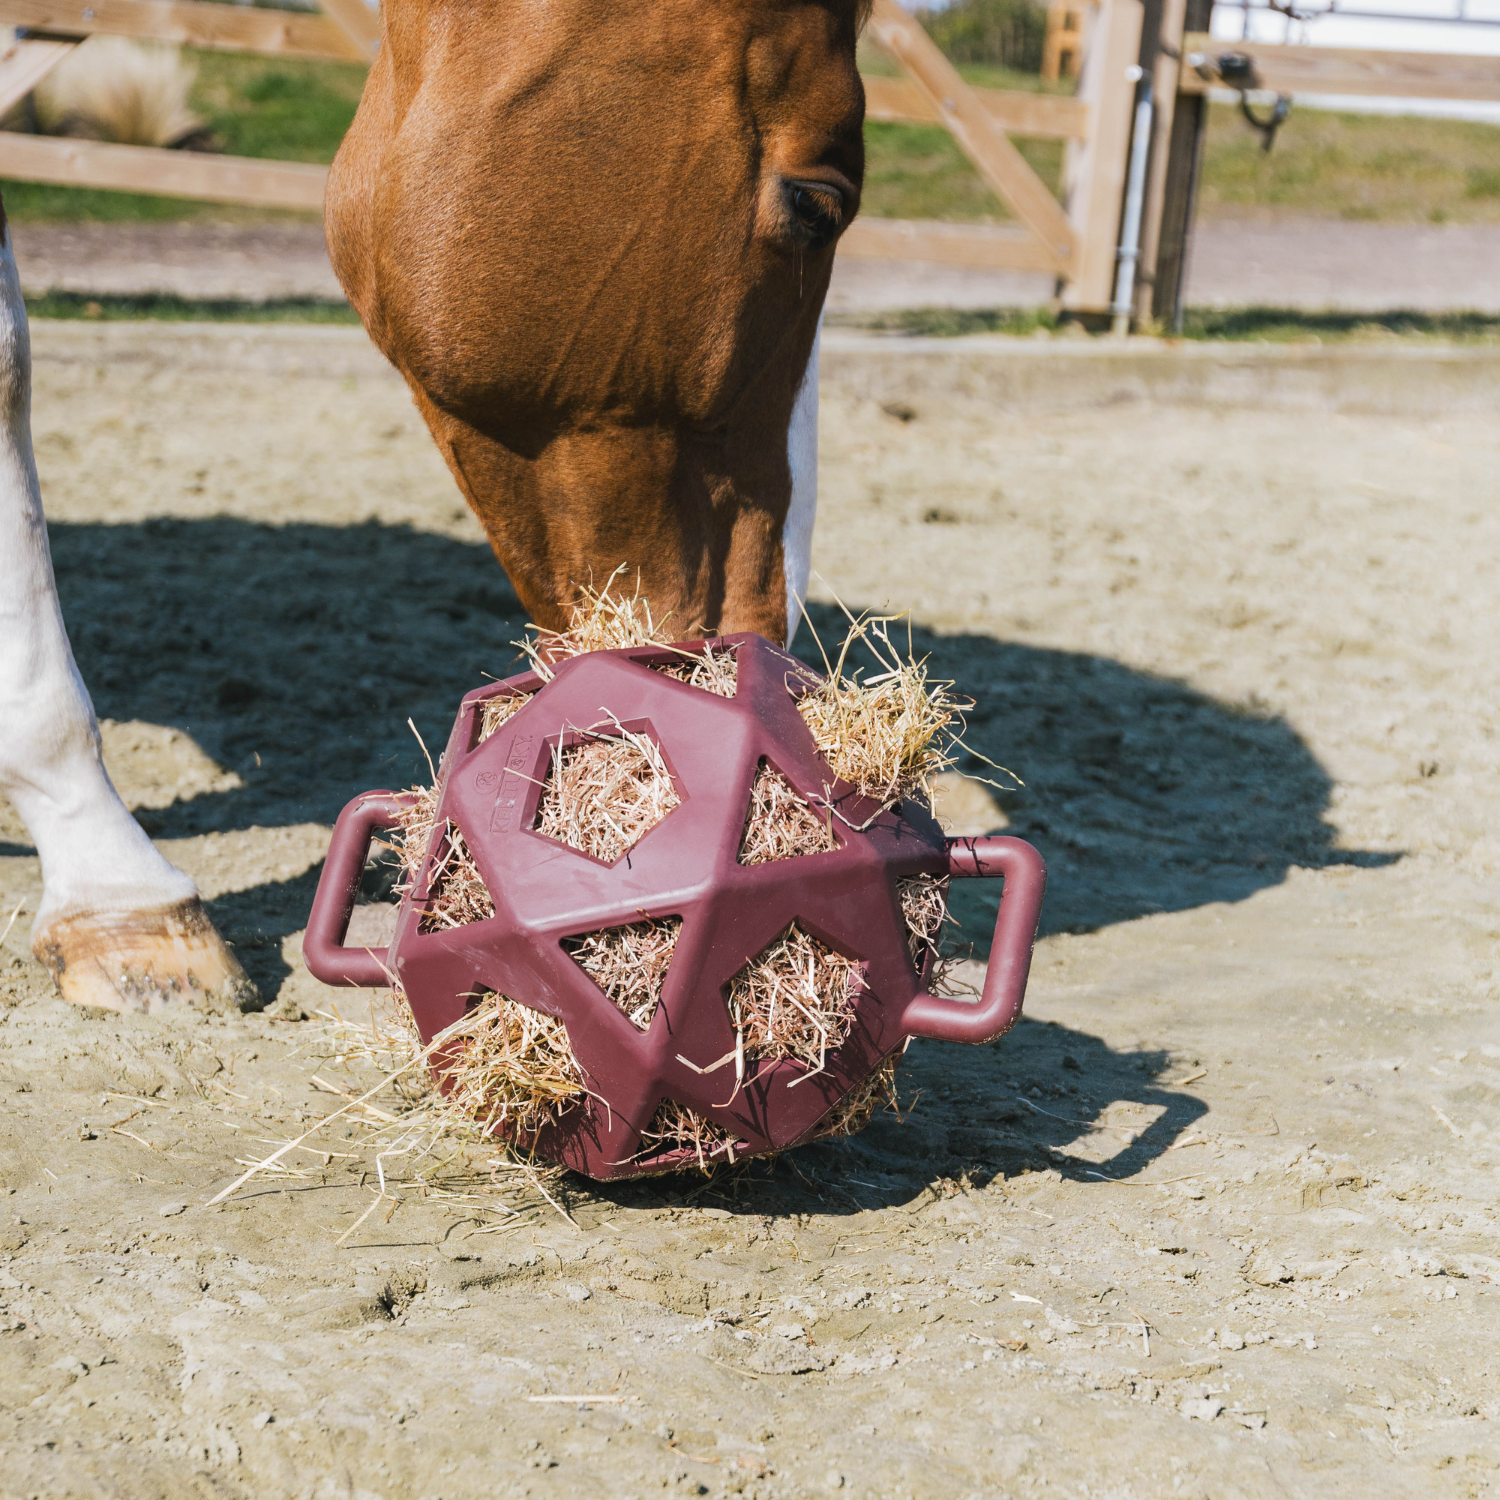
x=999, y=1007
x=323, y=947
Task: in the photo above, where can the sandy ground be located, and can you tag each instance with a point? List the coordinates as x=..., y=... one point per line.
x=1269, y=260
x=1217, y=1220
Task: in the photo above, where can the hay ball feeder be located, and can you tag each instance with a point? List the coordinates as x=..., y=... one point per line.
x=690, y=868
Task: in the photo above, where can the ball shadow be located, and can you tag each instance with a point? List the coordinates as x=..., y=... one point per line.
x=1045, y=1098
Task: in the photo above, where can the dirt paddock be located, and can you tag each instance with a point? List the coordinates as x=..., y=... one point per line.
x=1217, y=1220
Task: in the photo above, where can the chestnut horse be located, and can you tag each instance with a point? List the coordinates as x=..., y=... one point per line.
x=594, y=236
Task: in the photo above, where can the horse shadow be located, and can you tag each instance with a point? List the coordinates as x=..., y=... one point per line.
x=295, y=656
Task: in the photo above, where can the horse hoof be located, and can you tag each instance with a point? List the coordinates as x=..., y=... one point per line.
x=145, y=962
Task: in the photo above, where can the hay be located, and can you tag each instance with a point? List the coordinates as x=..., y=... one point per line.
x=714, y=669
x=504, y=1071
x=629, y=964
x=674, y=1127
x=924, y=907
x=458, y=892
x=779, y=824
x=494, y=712
x=886, y=735
x=794, y=1000
x=509, y=1070
x=858, y=1107
x=604, y=794
x=598, y=620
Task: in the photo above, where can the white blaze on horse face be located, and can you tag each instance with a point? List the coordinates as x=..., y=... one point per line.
x=802, y=456
x=95, y=856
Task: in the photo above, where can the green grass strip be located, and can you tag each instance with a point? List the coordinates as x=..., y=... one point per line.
x=166, y=308
x=1275, y=325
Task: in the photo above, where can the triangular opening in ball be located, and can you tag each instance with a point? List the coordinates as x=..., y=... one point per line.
x=629, y=964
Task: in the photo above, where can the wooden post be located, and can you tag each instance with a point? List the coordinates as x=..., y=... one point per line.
x=1094, y=171
x=190, y=23
x=1183, y=163
x=1160, y=49
x=357, y=21
x=975, y=130
x=1064, y=39
x=149, y=169
x=1015, y=112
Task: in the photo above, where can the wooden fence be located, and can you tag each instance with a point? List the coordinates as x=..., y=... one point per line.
x=1169, y=64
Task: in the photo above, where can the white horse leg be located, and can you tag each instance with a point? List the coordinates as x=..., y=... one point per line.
x=118, y=926
x=802, y=456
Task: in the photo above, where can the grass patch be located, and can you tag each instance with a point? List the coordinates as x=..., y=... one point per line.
x=165, y=308
x=1356, y=167
x=1275, y=325
x=1280, y=325
x=950, y=322
x=283, y=109
x=918, y=172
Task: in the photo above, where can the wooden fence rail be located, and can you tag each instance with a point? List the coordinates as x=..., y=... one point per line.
x=1345, y=70
x=1076, y=241
x=173, y=174
x=190, y=23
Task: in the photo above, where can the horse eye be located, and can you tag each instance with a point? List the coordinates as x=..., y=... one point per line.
x=816, y=213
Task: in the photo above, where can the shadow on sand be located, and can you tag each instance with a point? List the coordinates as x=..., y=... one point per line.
x=1030, y=1103
x=294, y=655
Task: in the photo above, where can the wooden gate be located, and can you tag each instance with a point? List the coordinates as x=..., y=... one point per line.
x=1076, y=240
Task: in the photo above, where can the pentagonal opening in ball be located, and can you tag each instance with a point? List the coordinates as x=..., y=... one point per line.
x=708, y=665
x=629, y=964
x=780, y=824
x=795, y=999
x=604, y=790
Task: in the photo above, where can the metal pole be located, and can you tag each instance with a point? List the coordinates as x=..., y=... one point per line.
x=1129, y=252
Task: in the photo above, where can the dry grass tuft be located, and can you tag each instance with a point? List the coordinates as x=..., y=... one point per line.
x=714, y=669
x=457, y=892
x=509, y=1069
x=504, y=1071
x=780, y=825
x=599, y=620
x=924, y=905
x=675, y=1127
x=111, y=89
x=886, y=735
x=629, y=964
x=858, y=1107
x=794, y=999
x=603, y=795
x=496, y=711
